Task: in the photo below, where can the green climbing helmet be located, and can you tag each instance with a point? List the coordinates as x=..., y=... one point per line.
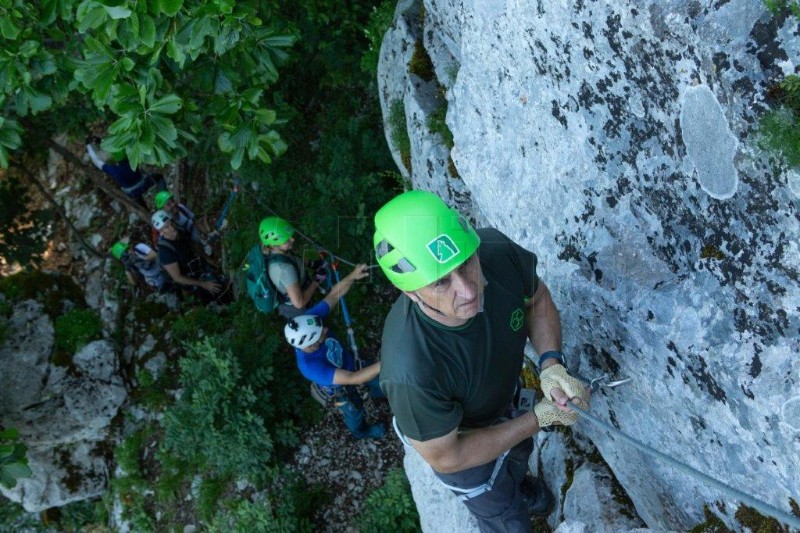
x=162, y=198
x=118, y=249
x=419, y=239
x=274, y=231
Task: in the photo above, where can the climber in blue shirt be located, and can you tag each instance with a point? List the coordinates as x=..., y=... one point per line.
x=324, y=361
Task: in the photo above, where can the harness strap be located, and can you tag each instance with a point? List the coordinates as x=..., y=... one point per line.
x=466, y=494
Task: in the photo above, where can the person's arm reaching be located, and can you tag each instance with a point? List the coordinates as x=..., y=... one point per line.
x=338, y=291
x=174, y=272
x=99, y=163
x=346, y=377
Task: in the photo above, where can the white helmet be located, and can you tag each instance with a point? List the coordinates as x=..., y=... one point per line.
x=303, y=330
x=160, y=218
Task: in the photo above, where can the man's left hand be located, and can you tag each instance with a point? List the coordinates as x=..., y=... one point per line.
x=556, y=377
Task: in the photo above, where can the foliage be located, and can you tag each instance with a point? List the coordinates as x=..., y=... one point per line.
x=437, y=123
x=380, y=20
x=76, y=328
x=779, y=130
x=391, y=507
x=53, y=290
x=13, y=461
x=420, y=63
x=777, y=6
x=399, y=132
x=13, y=518
x=213, y=425
x=168, y=73
x=22, y=231
x=292, y=510
x=198, y=323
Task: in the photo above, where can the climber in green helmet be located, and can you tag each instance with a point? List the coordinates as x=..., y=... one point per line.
x=287, y=272
x=452, y=351
x=141, y=263
x=183, y=219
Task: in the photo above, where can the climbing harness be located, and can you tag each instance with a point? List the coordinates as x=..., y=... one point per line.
x=464, y=494
x=734, y=493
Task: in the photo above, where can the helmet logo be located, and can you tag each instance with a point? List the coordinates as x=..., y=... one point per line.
x=442, y=248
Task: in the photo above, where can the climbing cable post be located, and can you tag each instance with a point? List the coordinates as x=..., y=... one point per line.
x=225, y=208
x=734, y=493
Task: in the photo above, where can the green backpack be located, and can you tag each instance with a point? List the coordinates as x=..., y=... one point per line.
x=259, y=287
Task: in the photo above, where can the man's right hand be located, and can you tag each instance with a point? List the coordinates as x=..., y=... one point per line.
x=211, y=286
x=548, y=414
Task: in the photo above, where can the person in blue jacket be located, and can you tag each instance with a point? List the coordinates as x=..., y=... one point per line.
x=134, y=183
x=324, y=360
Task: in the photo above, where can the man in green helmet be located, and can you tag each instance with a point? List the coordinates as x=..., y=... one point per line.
x=183, y=218
x=142, y=263
x=286, y=271
x=452, y=353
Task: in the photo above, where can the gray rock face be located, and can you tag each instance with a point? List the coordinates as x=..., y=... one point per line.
x=618, y=141
x=62, y=413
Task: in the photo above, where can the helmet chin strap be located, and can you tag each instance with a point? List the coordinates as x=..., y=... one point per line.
x=421, y=302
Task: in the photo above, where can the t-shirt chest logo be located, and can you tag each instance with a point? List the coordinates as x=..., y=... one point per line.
x=517, y=319
x=442, y=248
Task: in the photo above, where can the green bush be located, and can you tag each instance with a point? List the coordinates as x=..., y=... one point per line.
x=780, y=133
x=13, y=461
x=213, y=426
x=380, y=20
x=777, y=6
x=75, y=329
x=391, y=507
x=51, y=289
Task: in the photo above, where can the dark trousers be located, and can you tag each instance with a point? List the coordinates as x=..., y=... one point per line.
x=502, y=509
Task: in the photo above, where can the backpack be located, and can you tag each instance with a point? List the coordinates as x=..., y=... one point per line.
x=259, y=286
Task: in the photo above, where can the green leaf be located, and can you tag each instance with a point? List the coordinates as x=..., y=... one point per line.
x=17, y=470
x=236, y=160
x=224, y=142
x=90, y=16
x=10, y=433
x=38, y=101
x=166, y=105
x=165, y=129
x=265, y=116
x=175, y=53
x=170, y=7
x=8, y=28
x=3, y=157
x=147, y=32
x=118, y=12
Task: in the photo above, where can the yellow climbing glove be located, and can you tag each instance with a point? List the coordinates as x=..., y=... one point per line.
x=556, y=376
x=547, y=413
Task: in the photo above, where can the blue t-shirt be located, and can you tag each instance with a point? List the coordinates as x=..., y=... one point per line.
x=320, y=365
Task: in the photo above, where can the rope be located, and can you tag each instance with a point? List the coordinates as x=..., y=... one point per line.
x=762, y=507
x=312, y=241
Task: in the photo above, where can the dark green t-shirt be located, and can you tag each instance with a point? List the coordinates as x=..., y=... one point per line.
x=438, y=378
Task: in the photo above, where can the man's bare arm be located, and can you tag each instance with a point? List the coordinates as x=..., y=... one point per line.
x=543, y=321
x=455, y=452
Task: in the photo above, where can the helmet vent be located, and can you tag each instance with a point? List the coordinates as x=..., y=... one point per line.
x=383, y=248
x=403, y=266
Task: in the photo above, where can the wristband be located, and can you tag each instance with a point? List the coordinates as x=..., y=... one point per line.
x=551, y=355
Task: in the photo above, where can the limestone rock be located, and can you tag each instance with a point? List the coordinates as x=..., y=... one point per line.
x=618, y=141
x=62, y=413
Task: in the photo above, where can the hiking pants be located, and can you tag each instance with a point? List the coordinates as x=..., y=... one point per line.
x=503, y=507
x=352, y=407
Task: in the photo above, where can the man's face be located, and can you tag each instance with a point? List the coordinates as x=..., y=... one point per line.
x=459, y=294
x=285, y=247
x=168, y=231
